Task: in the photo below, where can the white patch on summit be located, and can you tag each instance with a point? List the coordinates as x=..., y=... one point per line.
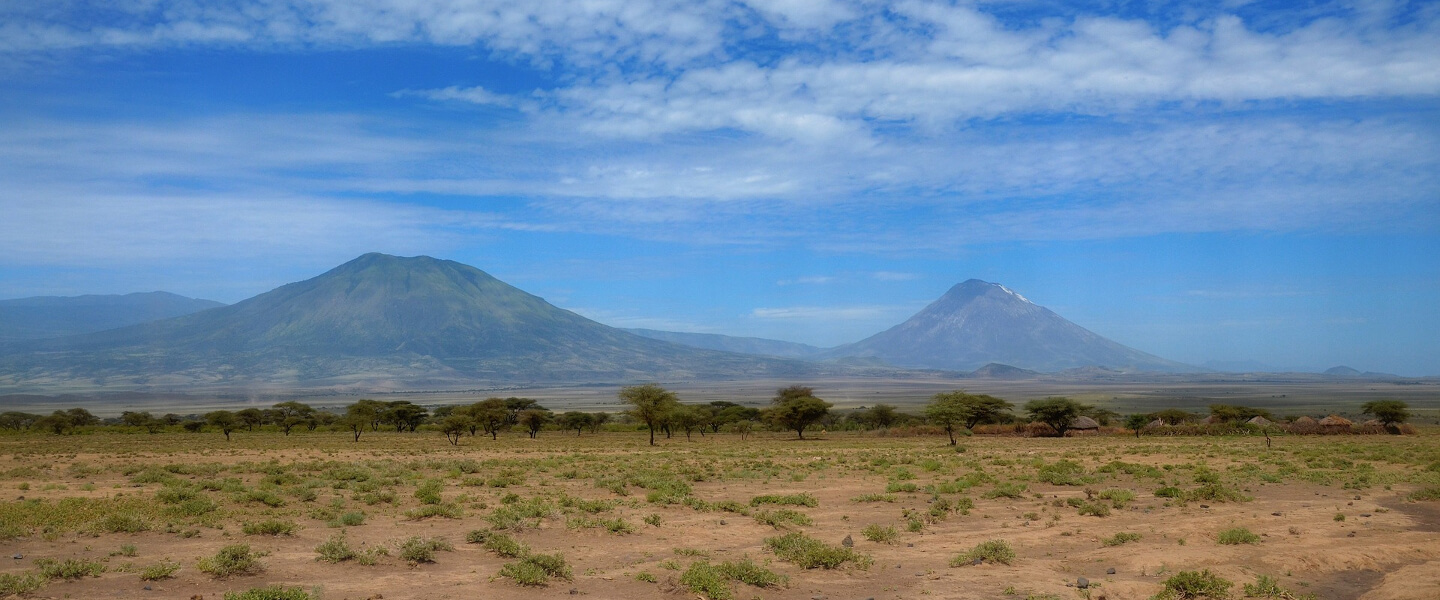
x=1012, y=293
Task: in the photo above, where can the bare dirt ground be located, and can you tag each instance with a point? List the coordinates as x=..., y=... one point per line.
x=1332, y=514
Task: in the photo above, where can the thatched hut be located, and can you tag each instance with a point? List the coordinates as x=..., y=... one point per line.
x=1259, y=421
x=1336, y=424
x=1212, y=420
x=1154, y=424
x=1373, y=426
x=1304, y=425
x=1083, y=425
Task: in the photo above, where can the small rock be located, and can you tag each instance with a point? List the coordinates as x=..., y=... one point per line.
x=18, y=556
x=1082, y=583
x=912, y=544
x=1275, y=514
x=979, y=560
x=1110, y=571
x=848, y=542
x=1352, y=534
x=1349, y=504
x=1357, y=497
x=1364, y=514
x=1204, y=506
x=146, y=588
x=574, y=592
x=722, y=521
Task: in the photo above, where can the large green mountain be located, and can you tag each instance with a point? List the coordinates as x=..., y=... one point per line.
x=55, y=316
x=376, y=321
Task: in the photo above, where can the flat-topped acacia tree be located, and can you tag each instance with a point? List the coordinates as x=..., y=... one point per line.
x=650, y=404
x=795, y=408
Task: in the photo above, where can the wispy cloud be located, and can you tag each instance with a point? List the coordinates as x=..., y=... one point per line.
x=836, y=313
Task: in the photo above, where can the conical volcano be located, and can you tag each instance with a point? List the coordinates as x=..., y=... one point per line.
x=977, y=323
x=380, y=318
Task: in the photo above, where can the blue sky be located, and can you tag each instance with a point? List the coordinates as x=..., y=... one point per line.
x=1205, y=181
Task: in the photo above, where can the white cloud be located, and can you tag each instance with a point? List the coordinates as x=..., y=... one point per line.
x=838, y=313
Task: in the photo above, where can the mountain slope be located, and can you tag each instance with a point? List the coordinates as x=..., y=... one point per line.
x=55, y=316
x=976, y=323
x=729, y=343
x=380, y=320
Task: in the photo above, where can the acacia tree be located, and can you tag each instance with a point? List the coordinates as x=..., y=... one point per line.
x=597, y=420
x=362, y=414
x=649, y=404
x=289, y=414
x=1137, y=422
x=951, y=409
x=795, y=408
x=251, y=417
x=1056, y=412
x=690, y=418
x=453, y=427
x=881, y=416
x=576, y=420
x=1390, y=412
x=17, y=420
x=492, y=415
x=223, y=420
x=533, y=419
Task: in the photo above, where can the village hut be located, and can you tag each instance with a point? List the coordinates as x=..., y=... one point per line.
x=1304, y=425
x=1373, y=426
x=1212, y=420
x=1154, y=424
x=1336, y=424
x=1083, y=425
x=1259, y=421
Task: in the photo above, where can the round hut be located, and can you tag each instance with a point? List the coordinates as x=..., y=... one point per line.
x=1336, y=424
x=1304, y=425
x=1083, y=425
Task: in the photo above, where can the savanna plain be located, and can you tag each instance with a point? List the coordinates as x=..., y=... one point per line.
x=316, y=514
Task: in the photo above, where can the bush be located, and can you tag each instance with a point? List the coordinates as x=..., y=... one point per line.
x=1120, y=538
x=499, y=543
x=992, y=550
x=780, y=518
x=156, y=572
x=19, y=584
x=1237, y=536
x=231, y=560
x=1095, y=509
x=1118, y=498
x=429, y=491
x=873, y=498
x=537, y=569
x=1064, y=472
x=789, y=500
x=1426, y=493
x=809, y=553
x=270, y=527
x=334, y=550
x=1007, y=490
x=883, y=535
x=1266, y=587
x=273, y=592
x=1189, y=585
x=70, y=568
x=121, y=523
x=1170, y=491
x=704, y=578
x=418, y=550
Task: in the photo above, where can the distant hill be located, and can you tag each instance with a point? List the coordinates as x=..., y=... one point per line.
x=42, y=317
x=727, y=343
x=999, y=371
x=1342, y=371
x=976, y=323
x=380, y=320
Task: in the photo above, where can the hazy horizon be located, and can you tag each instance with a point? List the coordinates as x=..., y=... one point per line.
x=1203, y=181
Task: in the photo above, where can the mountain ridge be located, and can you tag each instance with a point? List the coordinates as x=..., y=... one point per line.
x=40, y=317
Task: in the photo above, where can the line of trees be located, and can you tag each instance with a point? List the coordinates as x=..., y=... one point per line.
x=795, y=408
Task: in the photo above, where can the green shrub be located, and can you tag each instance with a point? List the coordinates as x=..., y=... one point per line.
x=1238, y=535
x=269, y=527
x=335, y=549
x=901, y=487
x=1267, y=587
x=537, y=569
x=704, y=578
x=873, y=498
x=1064, y=472
x=19, y=584
x=272, y=592
x=121, y=523
x=1118, y=498
x=992, y=550
x=803, y=499
x=646, y=576
x=418, y=550
x=231, y=560
x=1120, y=538
x=499, y=543
x=747, y=572
x=426, y=511
x=809, y=553
x=883, y=535
x=1190, y=585
x=782, y=517
x=1170, y=491
x=1431, y=492
x=352, y=519
x=652, y=520
x=70, y=568
x=162, y=570
x=1214, y=492
x=428, y=492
